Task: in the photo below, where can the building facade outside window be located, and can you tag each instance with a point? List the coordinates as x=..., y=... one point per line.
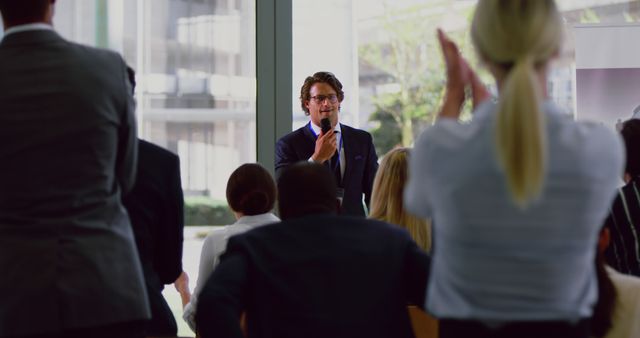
x=195, y=74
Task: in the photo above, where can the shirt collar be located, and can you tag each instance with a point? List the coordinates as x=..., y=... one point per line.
x=317, y=129
x=28, y=27
x=255, y=220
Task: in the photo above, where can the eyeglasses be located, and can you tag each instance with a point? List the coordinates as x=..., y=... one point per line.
x=333, y=98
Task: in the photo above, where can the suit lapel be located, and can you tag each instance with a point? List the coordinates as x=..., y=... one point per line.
x=310, y=140
x=347, y=153
x=308, y=133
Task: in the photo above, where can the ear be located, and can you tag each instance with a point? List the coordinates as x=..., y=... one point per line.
x=306, y=104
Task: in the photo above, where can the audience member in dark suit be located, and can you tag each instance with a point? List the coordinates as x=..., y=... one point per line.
x=68, y=152
x=624, y=219
x=155, y=206
x=347, y=152
x=315, y=274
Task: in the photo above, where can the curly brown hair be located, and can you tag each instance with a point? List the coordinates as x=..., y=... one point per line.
x=319, y=77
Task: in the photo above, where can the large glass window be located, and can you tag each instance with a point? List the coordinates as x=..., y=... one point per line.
x=196, y=86
x=386, y=54
x=195, y=63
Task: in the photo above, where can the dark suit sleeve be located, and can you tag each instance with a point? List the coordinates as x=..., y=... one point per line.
x=417, y=266
x=171, y=236
x=285, y=156
x=127, y=156
x=223, y=298
x=369, y=171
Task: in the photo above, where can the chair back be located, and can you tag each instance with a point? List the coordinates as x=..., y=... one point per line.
x=424, y=325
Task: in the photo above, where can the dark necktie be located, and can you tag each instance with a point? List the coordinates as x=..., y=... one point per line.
x=335, y=165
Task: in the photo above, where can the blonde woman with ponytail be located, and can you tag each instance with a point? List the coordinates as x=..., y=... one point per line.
x=517, y=196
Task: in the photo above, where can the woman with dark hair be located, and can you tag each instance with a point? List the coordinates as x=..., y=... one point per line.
x=251, y=194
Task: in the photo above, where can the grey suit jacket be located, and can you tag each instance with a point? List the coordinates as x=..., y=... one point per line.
x=67, y=153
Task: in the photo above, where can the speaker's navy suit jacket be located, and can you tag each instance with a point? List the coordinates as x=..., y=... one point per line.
x=155, y=206
x=316, y=276
x=360, y=157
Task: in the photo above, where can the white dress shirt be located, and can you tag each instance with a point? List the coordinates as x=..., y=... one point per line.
x=493, y=261
x=214, y=245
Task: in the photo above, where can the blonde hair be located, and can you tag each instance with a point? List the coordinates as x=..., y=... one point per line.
x=387, y=197
x=518, y=36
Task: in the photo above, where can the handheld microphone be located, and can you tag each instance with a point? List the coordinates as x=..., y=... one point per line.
x=325, y=124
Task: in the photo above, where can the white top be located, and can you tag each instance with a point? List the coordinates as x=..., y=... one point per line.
x=28, y=27
x=338, y=130
x=493, y=261
x=626, y=315
x=214, y=245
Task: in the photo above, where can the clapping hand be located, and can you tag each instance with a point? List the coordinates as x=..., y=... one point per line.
x=459, y=76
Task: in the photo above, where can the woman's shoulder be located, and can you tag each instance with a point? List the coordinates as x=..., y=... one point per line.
x=592, y=145
x=594, y=138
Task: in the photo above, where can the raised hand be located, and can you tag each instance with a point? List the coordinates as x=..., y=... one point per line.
x=457, y=67
x=459, y=76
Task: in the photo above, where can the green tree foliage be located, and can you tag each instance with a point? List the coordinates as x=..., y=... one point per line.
x=409, y=55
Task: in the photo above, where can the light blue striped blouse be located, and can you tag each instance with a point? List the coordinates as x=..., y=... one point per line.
x=493, y=261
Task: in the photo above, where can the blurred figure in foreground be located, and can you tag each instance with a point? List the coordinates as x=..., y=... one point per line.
x=518, y=195
x=616, y=312
x=156, y=208
x=624, y=219
x=68, y=153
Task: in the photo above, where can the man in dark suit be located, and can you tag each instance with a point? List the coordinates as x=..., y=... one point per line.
x=314, y=274
x=68, y=152
x=347, y=152
x=624, y=217
x=155, y=206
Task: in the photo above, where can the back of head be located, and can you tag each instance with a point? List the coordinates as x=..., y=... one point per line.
x=387, y=203
x=251, y=190
x=306, y=188
x=631, y=135
x=519, y=37
x=16, y=12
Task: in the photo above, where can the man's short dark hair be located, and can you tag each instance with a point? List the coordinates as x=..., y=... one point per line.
x=631, y=135
x=306, y=188
x=251, y=190
x=319, y=77
x=23, y=11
